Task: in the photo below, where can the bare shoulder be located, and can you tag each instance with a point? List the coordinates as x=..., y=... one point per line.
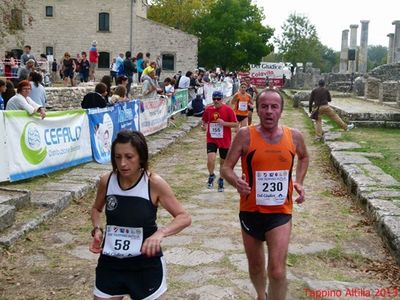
x=297, y=136
x=104, y=178
x=156, y=180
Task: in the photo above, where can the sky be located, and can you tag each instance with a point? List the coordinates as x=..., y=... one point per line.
x=330, y=18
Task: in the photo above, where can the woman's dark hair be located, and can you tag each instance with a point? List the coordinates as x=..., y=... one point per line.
x=36, y=78
x=107, y=80
x=139, y=55
x=10, y=91
x=137, y=141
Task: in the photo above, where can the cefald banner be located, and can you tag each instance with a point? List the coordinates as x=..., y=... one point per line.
x=37, y=146
x=105, y=123
x=153, y=115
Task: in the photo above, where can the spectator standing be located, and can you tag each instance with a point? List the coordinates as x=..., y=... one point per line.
x=114, y=70
x=177, y=78
x=119, y=60
x=150, y=86
x=24, y=71
x=158, y=65
x=184, y=81
x=93, y=59
x=27, y=55
x=3, y=88
x=122, y=80
x=128, y=70
x=68, y=69
x=97, y=98
x=8, y=64
x=146, y=60
x=54, y=70
x=139, y=65
x=22, y=101
x=38, y=92
x=84, y=68
x=252, y=91
x=320, y=98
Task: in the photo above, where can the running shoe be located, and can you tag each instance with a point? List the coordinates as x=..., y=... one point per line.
x=210, y=182
x=350, y=126
x=220, y=185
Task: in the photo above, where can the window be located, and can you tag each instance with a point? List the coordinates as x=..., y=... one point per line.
x=168, y=62
x=49, y=11
x=104, y=22
x=104, y=60
x=49, y=51
x=16, y=19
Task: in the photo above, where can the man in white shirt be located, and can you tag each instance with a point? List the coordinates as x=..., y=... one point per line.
x=184, y=82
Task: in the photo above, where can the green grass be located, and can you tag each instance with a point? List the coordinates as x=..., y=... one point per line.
x=380, y=140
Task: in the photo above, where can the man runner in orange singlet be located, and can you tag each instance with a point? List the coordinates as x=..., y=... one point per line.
x=267, y=152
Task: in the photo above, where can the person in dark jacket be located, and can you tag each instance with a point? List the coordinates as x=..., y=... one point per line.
x=319, y=100
x=96, y=98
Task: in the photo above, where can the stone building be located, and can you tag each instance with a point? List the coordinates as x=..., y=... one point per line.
x=72, y=25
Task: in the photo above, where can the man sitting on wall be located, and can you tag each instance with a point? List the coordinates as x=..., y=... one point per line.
x=96, y=98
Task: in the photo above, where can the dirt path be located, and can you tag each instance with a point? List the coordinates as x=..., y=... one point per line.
x=333, y=248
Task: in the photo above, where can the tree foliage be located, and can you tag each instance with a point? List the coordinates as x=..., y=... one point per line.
x=179, y=14
x=14, y=17
x=377, y=55
x=231, y=35
x=300, y=43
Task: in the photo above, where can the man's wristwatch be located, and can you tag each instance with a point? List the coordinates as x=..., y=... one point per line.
x=94, y=230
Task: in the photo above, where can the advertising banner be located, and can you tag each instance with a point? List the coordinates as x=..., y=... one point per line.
x=182, y=99
x=105, y=123
x=4, y=171
x=269, y=72
x=153, y=115
x=37, y=146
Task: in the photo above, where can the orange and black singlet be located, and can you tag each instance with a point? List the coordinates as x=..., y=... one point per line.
x=268, y=170
x=242, y=104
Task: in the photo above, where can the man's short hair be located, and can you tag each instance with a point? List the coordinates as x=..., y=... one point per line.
x=100, y=88
x=321, y=82
x=270, y=90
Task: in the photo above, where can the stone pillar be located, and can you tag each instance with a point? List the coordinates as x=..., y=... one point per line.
x=353, y=46
x=344, y=51
x=396, y=42
x=363, y=55
x=390, y=48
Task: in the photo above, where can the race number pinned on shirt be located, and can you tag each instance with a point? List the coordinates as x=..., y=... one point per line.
x=123, y=242
x=271, y=187
x=216, y=130
x=242, y=105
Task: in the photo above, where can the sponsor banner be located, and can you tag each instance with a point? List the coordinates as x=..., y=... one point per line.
x=105, y=123
x=273, y=71
x=154, y=115
x=181, y=100
x=37, y=147
x=4, y=171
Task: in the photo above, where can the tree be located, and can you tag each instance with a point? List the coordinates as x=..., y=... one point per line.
x=14, y=17
x=179, y=14
x=377, y=55
x=231, y=35
x=299, y=41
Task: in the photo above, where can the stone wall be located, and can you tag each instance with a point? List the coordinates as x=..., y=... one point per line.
x=66, y=98
x=388, y=72
x=372, y=88
x=389, y=91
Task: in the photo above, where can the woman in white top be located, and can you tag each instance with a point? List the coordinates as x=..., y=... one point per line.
x=38, y=92
x=22, y=101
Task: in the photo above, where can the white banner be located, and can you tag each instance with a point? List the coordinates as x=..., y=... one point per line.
x=4, y=171
x=153, y=115
x=37, y=147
